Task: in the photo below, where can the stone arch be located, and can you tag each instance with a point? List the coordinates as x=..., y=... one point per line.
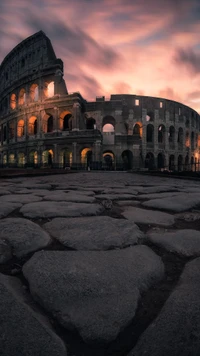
x=20, y=128
x=86, y=156
x=180, y=136
x=65, y=158
x=137, y=129
x=171, y=162
x=11, y=126
x=32, y=125
x=49, y=89
x=108, y=160
x=34, y=92
x=150, y=161
x=13, y=101
x=127, y=157
x=50, y=124
x=4, y=133
x=187, y=163
x=33, y=158
x=150, y=116
x=171, y=134
x=161, y=134
x=108, y=124
x=11, y=158
x=180, y=163
x=22, y=97
x=90, y=123
x=160, y=160
x=47, y=158
x=65, y=121
x=187, y=139
x=21, y=159
x=150, y=133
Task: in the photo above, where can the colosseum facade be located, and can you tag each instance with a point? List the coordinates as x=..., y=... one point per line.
x=44, y=125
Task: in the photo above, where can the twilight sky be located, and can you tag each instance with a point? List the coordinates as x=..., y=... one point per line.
x=146, y=47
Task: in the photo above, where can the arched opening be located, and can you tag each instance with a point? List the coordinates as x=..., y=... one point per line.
x=108, y=128
x=49, y=89
x=4, y=133
x=137, y=129
x=187, y=139
x=5, y=159
x=161, y=161
x=21, y=159
x=180, y=137
x=34, y=92
x=11, y=129
x=50, y=124
x=108, y=120
x=22, y=97
x=108, y=160
x=66, y=158
x=192, y=164
x=150, y=133
x=180, y=163
x=171, y=162
x=127, y=157
x=32, y=125
x=33, y=158
x=20, y=128
x=150, y=116
x=149, y=161
x=86, y=157
x=65, y=121
x=171, y=135
x=11, y=159
x=192, y=140
x=47, y=158
x=161, y=134
x=187, y=167
x=90, y=124
x=13, y=101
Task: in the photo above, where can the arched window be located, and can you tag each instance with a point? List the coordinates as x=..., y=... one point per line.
x=50, y=124
x=20, y=128
x=90, y=124
x=22, y=97
x=150, y=133
x=161, y=134
x=34, y=92
x=108, y=128
x=13, y=101
x=108, y=124
x=49, y=89
x=32, y=125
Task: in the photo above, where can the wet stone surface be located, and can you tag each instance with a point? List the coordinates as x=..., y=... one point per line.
x=104, y=264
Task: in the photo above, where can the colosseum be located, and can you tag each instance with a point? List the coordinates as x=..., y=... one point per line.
x=42, y=125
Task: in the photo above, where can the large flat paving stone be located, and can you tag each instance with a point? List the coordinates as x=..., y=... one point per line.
x=94, y=292
x=184, y=242
x=23, y=332
x=115, y=196
x=7, y=208
x=94, y=233
x=71, y=197
x=143, y=216
x=20, y=198
x=48, y=209
x=177, y=203
x=156, y=195
x=23, y=236
x=176, y=330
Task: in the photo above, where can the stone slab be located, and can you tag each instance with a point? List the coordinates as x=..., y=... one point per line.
x=7, y=207
x=143, y=216
x=20, y=198
x=47, y=209
x=70, y=197
x=94, y=292
x=94, y=233
x=176, y=330
x=184, y=242
x=178, y=203
x=23, y=235
x=22, y=331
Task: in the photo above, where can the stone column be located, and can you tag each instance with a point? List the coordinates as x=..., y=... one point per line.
x=74, y=153
x=97, y=151
x=76, y=116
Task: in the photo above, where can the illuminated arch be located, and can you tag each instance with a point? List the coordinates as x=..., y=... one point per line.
x=21, y=160
x=49, y=89
x=86, y=156
x=65, y=121
x=34, y=92
x=13, y=101
x=47, y=157
x=22, y=97
x=20, y=128
x=32, y=125
x=137, y=129
x=108, y=160
x=33, y=157
x=65, y=158
x=11, y=158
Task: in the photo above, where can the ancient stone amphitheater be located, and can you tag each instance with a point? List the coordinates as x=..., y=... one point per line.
x=43, y=125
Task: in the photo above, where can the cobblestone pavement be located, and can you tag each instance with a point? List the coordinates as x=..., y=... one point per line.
x=99, y=264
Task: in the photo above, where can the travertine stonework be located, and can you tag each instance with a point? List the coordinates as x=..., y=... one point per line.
x=43, y=125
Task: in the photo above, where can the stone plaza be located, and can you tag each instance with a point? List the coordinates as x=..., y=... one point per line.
x=99, y=263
